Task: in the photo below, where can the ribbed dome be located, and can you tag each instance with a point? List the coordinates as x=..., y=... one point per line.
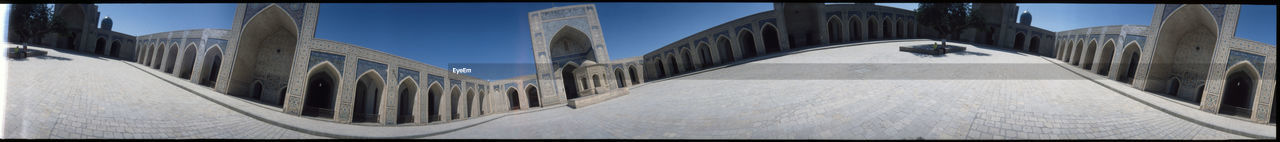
x=106, y=23
x=1026, y=18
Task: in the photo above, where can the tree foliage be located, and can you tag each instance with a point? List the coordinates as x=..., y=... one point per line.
x=30, y=21
x=949, y=19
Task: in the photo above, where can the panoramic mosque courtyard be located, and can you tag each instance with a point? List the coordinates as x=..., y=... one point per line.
x=852, y=91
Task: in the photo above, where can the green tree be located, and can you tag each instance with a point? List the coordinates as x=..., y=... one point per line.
x=30, y=21
x=949, y=19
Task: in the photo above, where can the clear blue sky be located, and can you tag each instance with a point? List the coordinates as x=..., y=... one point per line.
x=492, y=37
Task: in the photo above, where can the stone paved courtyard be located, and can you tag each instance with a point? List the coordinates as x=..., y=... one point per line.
x=857, y=92
x=70, y=95
x=843, y=93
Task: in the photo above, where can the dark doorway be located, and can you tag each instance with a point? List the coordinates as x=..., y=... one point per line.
x=675, y=65
x=570, y=89
x=622, y=82
x=367, y=97
x=854, y=26
x=726, y=50
x=1132, y=69
x=688, y=61
x=634, y=78
x=1174, y=84
x=513, y=98
x=212, y=60
x=433, y=103
x=1017, y=41
x=115, y=49
x=100, y=48
x=748, y=44
x=659, y=70
x=833, y=31
x=531, y=94
x=770, y=38
x=320, y=95
x=706, y=55
x=408, y=91
x=256, y=92
x=1237, y=95
x=280, y=98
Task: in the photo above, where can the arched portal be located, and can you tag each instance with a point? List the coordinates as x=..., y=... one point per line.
x=368, y=95
x=726, y=50
x=256, y=93
x=854, y=29
x=1238, y=90
x=635, y=79
x=1034, y=45
x=833, y=30
x=455, y=108
x=115, y=49
x=1077, y=53
x=688, y=60
x=513, y=99
x=675, y=65
x=433, y=102
x=479, y=104
x=155, y=57
x=566, y=73
x=705, y=52
x=661, y=72
x=188, y=62
x=531, y=94
x=1017, y=41
x=1104, y=57
x=265, y=49
x=1087, y=57
x=171, y=59
x=747, y=44
x=771, y=40
x=142, y=57
x=280, y=97
x=100, y=47
x=1174, y=84
x=873, y=28
x=888, y=28
x=321, y=91
x=617, y=73
x=212, y=62
x=1183, y=47
x=471, y=104
x=902, y=28
x=408, y=93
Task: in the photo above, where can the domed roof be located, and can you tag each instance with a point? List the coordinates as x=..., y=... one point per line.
x=588, y=63
x=1025, y=18
x=106, y=23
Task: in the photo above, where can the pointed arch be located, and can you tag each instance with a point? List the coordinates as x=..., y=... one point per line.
x=408, y=93
x=321, y=97
x=1104, y=57
x=855, y=28
x=211, y=65
x=368, y=97
x=833, y=29
x=1184, y=44
x=268, y=38
x=747, y=42
x=187, y=65
x=726, y=49
x=531, y=95
x=772, y=39
x=705, y=53
x=1239, y=90
x=433, y=102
